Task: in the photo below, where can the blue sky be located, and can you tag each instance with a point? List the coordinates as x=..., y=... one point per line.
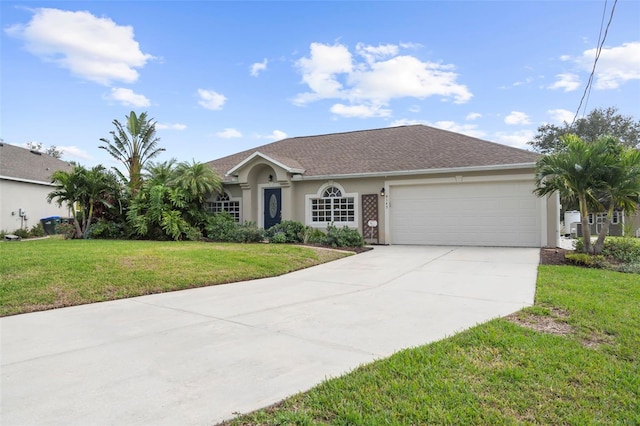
x=220, y=77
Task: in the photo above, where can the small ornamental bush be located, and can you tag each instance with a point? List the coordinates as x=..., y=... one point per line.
x=292, y=230
x=630, y=268
x=314, y=236
x=22, y=233
x=221, y=227
x=278, y=238
x=67, y=230
x=105, y=229
x=248, y=232
x=588, y=260
x=343, y=237
x=622, y=249
x=37, y=230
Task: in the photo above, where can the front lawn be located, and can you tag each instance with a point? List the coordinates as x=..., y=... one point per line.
x=573, y=358
x=52, y=273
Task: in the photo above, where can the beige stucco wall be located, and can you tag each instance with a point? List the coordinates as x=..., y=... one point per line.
x=254, y=177
x=31, y=198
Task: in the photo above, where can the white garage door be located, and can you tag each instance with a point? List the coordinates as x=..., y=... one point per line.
x=467, y=214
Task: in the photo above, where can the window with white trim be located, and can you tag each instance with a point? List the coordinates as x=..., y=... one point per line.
x=601, y=217
x=224, y=203
x=333, y=206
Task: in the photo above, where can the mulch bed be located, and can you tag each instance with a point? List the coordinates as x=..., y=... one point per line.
x=553, y=256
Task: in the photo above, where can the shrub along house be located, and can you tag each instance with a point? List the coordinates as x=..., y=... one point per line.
x=25, y=182
x=399, y=185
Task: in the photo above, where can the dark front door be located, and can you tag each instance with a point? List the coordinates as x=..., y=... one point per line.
x=272, y=207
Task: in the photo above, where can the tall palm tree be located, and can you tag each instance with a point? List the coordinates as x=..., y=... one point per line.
x=133, y=146
x=577, y=171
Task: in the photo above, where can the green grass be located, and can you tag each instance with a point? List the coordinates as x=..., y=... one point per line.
x=52, y=273
x=501, y=372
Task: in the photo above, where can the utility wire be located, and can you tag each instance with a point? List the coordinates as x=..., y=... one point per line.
x=604, y=12
x=587, y=89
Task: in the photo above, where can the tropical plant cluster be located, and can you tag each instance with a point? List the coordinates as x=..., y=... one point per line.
x=620, y=254
x=601, y=176
x=150, y=200
x=163, y=200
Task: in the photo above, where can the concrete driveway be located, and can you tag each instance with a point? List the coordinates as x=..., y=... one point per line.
x=200, y=356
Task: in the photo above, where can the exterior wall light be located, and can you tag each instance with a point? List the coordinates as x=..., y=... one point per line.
x=382, y=192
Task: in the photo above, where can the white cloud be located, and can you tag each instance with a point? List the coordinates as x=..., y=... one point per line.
x=616, y=65
x=517, y=118
x=414, y=108
x=74, y=152
x=408, y=122
x=473, y=116
x=465, y=129
x=561, y=115
x=320, y=69
x=407, y=76
x=128, y=97
x=210, y=99
x=276, y=135
x=517, y=139
x=567, y=81
x=361, y=111
x=369, y=84
x=258, y=67
x=373, y=53
x=95, y=49
x=523, y=82
x=170, y=126
x=229, y=133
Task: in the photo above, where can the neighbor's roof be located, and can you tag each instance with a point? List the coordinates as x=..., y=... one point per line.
x=24, y=164
x=393, y=149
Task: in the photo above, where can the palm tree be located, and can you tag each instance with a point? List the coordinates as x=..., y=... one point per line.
x=163, y=173
x=67, y=192
x=578, y=171
x=197, y=180
x=622, y=191
x=133, y=146
x=84, y=189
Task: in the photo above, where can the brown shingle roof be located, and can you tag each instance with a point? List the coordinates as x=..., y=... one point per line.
x=392, y=149
x=22, y=163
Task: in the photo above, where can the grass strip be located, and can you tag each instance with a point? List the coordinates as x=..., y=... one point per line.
x=53, y=273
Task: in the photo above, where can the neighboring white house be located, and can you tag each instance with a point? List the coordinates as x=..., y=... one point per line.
x=25, y=182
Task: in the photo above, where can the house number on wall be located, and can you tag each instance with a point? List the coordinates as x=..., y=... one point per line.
x=273, y=206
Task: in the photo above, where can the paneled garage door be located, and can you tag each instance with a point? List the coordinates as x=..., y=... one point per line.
x=467, y=214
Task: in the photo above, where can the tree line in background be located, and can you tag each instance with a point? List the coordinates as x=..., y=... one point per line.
x=598, y=123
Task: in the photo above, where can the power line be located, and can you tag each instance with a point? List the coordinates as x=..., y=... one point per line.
x=587, y=89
